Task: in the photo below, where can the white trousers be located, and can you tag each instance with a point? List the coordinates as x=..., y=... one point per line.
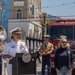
x=4, y=68
x=9, y=68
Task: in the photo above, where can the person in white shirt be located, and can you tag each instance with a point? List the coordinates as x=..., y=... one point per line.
x=13, y=47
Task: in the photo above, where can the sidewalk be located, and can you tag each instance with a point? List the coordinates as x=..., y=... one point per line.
x=38, y=68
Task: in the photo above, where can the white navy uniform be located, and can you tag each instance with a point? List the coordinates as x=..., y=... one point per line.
x=11, y=48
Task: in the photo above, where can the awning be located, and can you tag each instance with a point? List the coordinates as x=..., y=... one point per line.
x=36, y=24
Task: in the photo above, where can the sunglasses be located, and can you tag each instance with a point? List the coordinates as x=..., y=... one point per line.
x=64, y=42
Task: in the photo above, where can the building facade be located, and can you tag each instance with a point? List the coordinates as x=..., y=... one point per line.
x=25, y=9
x=26, y=14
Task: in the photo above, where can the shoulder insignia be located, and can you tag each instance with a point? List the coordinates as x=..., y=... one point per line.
x=8, y=41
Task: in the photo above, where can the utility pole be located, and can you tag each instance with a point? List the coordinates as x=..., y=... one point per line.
x=44, y=22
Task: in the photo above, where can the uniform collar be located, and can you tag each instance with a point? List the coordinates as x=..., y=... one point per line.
x=15, y=42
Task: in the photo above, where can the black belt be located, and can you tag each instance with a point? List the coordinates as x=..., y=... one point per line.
x=63, y=67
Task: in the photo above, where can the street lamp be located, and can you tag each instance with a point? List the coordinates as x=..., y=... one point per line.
x=44, y=22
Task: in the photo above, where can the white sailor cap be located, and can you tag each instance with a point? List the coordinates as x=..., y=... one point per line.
x=16, y=30
x=63, y=36
x=46, y=36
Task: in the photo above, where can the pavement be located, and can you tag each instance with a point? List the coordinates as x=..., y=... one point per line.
x=38, y=68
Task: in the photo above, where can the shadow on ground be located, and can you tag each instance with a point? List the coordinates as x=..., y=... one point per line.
x=39, y=73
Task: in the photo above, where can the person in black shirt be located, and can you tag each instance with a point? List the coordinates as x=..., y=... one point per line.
x=63, y=59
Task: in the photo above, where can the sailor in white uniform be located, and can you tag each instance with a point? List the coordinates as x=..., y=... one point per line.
x=13, y=47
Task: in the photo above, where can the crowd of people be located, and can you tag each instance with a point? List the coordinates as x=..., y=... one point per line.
x=63, y=55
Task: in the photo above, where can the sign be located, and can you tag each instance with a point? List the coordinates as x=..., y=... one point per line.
x=48, y=22
x=19, y=3
x=26, y=57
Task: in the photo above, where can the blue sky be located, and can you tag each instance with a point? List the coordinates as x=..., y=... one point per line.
x=61, y=10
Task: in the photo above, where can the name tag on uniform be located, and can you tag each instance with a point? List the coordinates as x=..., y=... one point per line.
x=12, y=46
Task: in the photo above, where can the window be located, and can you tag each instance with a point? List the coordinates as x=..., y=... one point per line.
x=57, y=31
x=32, y=9
x=18, y=14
